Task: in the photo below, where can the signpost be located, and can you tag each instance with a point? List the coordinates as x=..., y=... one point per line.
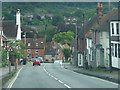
x=10, y=49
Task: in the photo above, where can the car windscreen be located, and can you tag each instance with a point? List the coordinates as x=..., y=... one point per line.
x=36, y=60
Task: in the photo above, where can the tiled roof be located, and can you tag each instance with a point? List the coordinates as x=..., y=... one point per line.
x=50, y=51
x=41, y=43
x=9, y=29
x=104, y=21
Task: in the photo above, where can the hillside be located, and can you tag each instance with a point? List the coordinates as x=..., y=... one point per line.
x=47, y=18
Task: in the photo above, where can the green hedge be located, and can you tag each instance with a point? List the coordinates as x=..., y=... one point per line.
x=4, y=58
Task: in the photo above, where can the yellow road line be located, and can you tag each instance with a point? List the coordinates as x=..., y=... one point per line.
x=11, y=83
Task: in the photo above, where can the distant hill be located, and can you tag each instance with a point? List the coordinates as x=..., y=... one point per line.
x=68, y=9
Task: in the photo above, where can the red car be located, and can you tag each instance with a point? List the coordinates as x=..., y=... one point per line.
x=36, y=62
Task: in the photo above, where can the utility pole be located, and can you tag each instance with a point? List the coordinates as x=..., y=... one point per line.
x=76, y=45
x=84, y=55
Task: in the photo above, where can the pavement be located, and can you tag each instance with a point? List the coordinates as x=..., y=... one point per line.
x=107, y=76
x=4, y=72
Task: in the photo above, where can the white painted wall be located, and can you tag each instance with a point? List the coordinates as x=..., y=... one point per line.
x=104, y=40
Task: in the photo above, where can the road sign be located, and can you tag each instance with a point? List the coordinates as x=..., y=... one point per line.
x=10, y=49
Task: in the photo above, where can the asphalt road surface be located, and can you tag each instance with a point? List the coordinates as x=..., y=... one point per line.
x=54, y=76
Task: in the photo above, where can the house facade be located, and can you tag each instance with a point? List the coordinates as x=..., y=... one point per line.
x=35, y=47
x=115, y=42
x=50, y=54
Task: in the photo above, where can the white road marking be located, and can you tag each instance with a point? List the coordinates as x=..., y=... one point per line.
x=67, y=86
x=60, y=81
x=55, y=77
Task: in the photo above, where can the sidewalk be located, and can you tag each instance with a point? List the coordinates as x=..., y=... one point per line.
x=104, y=75
x=5, y=70
x=4, y=73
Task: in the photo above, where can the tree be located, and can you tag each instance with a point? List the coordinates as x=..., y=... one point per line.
x=66, y=52
x=18, y=47
x=63, y=36
x=57, y=19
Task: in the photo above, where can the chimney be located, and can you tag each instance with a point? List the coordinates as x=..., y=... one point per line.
x=97, y=10
x=101, y=10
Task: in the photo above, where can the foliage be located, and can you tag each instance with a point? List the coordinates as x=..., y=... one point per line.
x=18, y=47
x=66, y=52
x=63, y=36
x=57, y=19
x=4, y=57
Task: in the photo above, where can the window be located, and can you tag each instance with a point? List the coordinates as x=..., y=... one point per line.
x=117, y=28
x=112, y=28
x=28, y=44
x=29, y=51
x=118, y=50
x=36, y=44
x=36, y=51
x=115, y=50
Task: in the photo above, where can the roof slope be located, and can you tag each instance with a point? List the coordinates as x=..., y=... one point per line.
x=9, y=29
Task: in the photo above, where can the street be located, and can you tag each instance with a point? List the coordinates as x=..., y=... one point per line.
x=50, y=75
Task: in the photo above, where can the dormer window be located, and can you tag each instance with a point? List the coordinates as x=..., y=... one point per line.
x=28, y=44
x=36, y=44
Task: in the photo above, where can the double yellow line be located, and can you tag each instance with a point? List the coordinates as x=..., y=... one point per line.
x=11, y=83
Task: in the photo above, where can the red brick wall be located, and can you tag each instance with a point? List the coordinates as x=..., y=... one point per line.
x=33, y=54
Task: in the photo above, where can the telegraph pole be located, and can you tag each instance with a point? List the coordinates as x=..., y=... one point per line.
x=76, y=45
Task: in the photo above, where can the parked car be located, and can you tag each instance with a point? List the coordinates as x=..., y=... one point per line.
x=32, y=59
x=36, y=62
x=41, y=59
x=24, y=61
x=58, y=61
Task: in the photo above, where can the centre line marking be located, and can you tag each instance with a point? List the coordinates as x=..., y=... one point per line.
x=55, y=78
x=60, y=81
x=67, y=86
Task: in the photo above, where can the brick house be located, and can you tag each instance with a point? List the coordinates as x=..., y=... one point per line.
x=50, y=53
x=35, y=47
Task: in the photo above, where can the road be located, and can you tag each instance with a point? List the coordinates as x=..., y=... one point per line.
x=54, y=76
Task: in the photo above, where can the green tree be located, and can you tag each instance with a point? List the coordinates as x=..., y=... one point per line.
x=18, y=47
x=66, y=52
x=63, y=36
x=57, y=19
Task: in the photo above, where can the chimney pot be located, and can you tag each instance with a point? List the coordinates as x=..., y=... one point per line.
x=98, y=5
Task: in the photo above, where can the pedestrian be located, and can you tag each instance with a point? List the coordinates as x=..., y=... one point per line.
x=20, y=61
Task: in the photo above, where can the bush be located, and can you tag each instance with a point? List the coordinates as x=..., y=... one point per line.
x=4, y=58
